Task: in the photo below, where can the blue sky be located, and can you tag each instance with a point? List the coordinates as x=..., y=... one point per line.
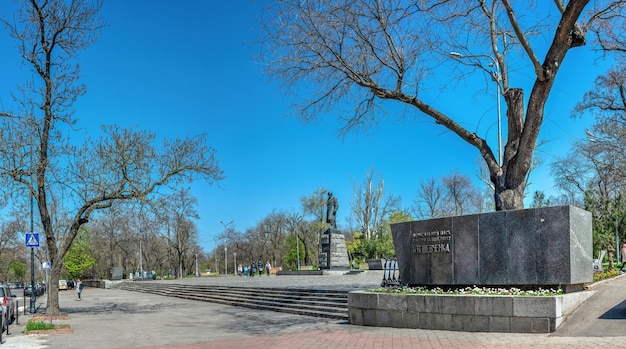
x=183, y=68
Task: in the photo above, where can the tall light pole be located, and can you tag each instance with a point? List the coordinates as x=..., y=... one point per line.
x=618, y=250
x=298, y=250
x=197, y=266
x=235, y=263
x=497, y=77
x=226, y=248
x=140, y=262
x=217, y=270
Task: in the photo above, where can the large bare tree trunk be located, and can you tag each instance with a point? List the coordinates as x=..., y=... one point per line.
x=510, y=179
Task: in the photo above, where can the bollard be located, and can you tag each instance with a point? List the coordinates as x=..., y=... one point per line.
x=1, y=323
x=17, y=312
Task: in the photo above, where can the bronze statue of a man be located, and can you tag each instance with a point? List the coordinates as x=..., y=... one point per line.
x=331, y=210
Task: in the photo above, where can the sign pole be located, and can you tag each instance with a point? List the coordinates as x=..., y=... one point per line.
x=32, y=280
x=32, y=241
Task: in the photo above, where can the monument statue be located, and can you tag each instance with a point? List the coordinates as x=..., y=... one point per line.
x=333, y=252
x=331, y=210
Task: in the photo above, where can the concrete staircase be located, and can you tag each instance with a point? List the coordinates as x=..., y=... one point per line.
x=331, y=304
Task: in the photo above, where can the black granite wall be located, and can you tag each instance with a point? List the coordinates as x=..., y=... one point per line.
x=547, y=246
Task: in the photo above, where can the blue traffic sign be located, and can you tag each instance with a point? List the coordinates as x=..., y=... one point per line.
x=32, y=240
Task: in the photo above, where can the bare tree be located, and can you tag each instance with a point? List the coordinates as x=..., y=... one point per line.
x=366, y=53
x=429, y=200
x=297, y=226
x=607, y=99
x=244, y=244
x=271, y=236
x=461, y=196
x=455, y=195
x=111, y=237
x=11, y=246
x=370, y=207
x=37, y=158
x=176, y=213
x=597, y=162
x=313, y=207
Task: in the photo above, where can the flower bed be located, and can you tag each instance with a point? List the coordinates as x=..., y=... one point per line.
x=475, y=290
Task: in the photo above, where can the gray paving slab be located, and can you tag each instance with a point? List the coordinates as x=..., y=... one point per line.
x=603, y=315
x=112, y=318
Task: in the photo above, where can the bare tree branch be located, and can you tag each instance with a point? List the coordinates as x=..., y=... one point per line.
x=70, y=184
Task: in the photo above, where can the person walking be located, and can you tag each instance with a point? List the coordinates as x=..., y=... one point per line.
x=268, y=267
x=79, y=288
x=623, y=252
x=610, y=249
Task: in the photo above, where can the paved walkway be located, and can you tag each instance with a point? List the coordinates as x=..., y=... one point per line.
x=108, y=319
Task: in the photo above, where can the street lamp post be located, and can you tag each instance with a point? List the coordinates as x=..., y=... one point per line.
x=226, y=248
x=140, y=262
x=235, y=263
x=298, y=250
x=216, y=265
x=197, y=266
x=497, y=77
x=617, y=249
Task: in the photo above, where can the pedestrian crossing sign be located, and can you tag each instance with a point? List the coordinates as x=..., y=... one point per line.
x=32, y=240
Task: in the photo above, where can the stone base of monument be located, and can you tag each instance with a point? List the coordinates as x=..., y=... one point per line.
x=470, y=313
x=541, y=247
x=535, y=248
x=333, y=253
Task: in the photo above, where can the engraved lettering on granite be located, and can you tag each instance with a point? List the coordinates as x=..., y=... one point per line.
x=437, y=241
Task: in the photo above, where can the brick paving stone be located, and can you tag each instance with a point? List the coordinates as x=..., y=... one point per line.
x=117, y=319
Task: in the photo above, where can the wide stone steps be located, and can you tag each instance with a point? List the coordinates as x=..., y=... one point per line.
x=331, y=304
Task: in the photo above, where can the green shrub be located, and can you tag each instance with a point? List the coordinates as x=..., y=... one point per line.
x=605, y=275
x=38, y=326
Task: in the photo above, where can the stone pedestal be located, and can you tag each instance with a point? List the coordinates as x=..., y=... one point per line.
x=333, y=252
x=469, y=313
x=547, y=247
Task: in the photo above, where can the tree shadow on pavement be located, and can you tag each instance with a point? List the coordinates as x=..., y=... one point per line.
x=618, y=312
x=115, y=308
x=264, y=322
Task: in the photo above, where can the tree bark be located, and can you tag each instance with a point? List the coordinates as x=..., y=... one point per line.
x=509, y=179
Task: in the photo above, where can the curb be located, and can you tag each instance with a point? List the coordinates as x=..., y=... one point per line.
x=66, y=328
